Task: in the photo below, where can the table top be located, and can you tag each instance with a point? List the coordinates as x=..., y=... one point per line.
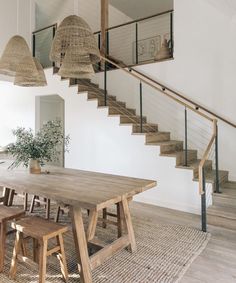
x=74, y=187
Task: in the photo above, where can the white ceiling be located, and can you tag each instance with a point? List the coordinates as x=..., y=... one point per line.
x=142, y=8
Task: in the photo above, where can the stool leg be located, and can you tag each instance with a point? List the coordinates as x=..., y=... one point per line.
x=42, y=261
x=16, y=250
x=35, y=250
x=11, y=197
x=32, y=204
x=25, y=201
x=119, y=220
x=6, y=193
x=47, y=209
x=3, y=231
x=104, y=216
x=57, y=214
x=62, y=258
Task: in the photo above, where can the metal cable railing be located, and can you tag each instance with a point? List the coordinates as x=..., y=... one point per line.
x=188, y=106
x=138, y=41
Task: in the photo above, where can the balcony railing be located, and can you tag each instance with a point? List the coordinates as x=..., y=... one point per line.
x=135, y=42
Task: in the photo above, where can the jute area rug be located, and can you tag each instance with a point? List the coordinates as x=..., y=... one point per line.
x=164, y=254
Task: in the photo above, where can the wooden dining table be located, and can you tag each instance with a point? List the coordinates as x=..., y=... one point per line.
x=80, y=190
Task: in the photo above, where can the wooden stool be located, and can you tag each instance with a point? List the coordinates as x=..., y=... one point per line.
x=41, y=231
x=45, y=201
x=118, y=215
x=61, y=209
x=6, y=214
x=24, y=196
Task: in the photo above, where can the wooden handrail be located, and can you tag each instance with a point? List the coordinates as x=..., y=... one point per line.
x=42, y=29
x=205, y=156
x=197, y=106
x=136, y=21
x=151, y=83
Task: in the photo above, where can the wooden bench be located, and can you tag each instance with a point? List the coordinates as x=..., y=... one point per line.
x=6, y=214
x=41, y=231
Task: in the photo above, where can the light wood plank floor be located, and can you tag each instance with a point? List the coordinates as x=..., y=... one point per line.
x=217, y=263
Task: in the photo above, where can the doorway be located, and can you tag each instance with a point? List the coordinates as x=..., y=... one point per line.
x=50, y=107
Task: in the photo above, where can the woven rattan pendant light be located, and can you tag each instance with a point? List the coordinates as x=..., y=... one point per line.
x=24, y=77
x=15, y=50
x=76, y=66
x=74, y=33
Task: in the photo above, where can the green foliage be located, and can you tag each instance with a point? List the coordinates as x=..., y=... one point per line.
x=44, y=146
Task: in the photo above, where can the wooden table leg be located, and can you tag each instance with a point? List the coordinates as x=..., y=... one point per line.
x=3, y=231
x=120, y=219
x=81, y=244
x=93, y=219
x=128, y=224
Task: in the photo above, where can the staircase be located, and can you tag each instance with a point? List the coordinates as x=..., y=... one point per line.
x=223, y=211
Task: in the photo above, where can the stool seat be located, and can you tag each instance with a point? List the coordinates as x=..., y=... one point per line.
x=39, y=228
x=10, y=213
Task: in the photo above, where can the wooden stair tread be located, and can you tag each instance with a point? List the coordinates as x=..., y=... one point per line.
x=144, y=124
x=194, y=164
x=211, y=175
x=150, y=133
x=174, y=154
x=222, y=211
x=170, y=142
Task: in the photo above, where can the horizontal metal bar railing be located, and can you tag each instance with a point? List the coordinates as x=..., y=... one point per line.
x=42, y=29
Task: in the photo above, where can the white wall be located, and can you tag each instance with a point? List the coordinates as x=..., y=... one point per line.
x=203, y=69
x=15, y=18
x=99, y=143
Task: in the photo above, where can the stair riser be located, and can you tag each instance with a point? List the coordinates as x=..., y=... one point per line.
x=124, y=120
x=171, y=148
x=158, y=137
x=221, y=222
x=146, y=129
x=221, y=201
x=181, y=158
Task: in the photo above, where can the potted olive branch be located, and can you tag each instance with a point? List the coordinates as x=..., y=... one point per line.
x=34, y=151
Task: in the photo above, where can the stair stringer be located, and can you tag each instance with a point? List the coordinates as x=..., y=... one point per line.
x=99, y=143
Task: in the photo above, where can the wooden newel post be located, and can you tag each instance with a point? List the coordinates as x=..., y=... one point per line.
x=104, y=25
